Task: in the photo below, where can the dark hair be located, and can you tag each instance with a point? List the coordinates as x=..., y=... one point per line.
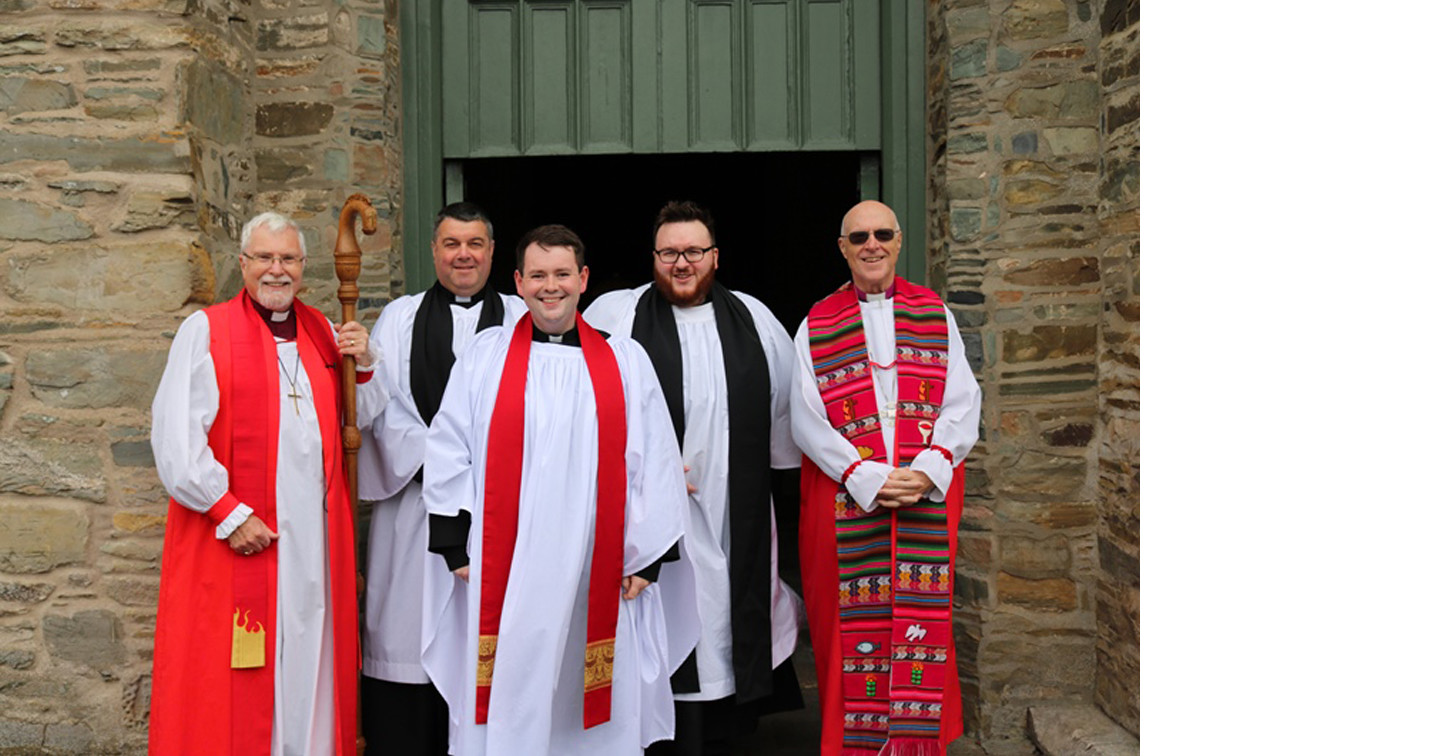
x=465, y=212
x=680, y=212
x=553, y=235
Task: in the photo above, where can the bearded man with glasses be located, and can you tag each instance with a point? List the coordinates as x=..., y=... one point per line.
x=255, y=637
x=885, y=409
x=724, y=364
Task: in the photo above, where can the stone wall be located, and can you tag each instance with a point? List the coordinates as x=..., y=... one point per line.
x=135, y=138
x=1117, y=600
x=1018, y=243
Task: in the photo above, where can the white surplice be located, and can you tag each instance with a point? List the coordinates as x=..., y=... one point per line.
x=707, y=453
x=404, y=582
x=956, y=429
x=536, y=698
x=183, y=412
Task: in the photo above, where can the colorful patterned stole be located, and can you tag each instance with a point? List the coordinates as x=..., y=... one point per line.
x=894, y=564
x=503, y=464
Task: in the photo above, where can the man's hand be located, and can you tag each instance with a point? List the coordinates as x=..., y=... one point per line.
x=252, y=537
x=903, y=488
x=463, y=573
x=689, y=489
x=633, y=585
x=354, y=341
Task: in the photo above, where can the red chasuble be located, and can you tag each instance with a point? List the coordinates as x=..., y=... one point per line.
x=503, y=466
x=878, y=584
x=214, y=674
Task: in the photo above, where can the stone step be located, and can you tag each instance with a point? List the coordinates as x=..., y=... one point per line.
x=1078, y=729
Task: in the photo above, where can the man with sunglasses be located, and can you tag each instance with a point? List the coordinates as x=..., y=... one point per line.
x=885, y=409
x=725, y=365
x=255, y=637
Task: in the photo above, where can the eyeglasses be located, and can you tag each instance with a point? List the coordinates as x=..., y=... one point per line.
x=693, y=254
x=265, y=261
x=882, y=235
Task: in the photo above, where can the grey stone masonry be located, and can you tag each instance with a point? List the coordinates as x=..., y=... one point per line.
x=136, y=138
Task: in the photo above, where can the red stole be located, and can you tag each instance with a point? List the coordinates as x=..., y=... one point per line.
x=503, y=464
x=214, y=639
x=878, y=584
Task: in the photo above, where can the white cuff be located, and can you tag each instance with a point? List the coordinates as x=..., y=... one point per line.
x=938, y=468
x=238, y=515
x=866, y=481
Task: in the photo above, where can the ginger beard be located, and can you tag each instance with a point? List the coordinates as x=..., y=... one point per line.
x=683, y=283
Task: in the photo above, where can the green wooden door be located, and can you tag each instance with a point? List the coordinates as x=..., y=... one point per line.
x=557, y=77
x=493, y=78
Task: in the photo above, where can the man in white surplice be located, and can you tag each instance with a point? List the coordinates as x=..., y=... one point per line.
x=534, y=683
x=725, y=364
x=422, y=334
x=292, y=543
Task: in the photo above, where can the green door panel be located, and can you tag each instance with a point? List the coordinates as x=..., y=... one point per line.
x=555, y=77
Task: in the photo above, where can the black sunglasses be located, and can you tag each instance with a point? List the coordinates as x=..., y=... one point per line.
x=881, y=235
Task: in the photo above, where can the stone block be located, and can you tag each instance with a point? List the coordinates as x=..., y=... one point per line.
x=37, y=536
x=967, y=61
x=92, y=377
x=134, y=591
x=136, y=522
x=293, y=32
x=1071, y=140
x=1070, y=434
x=132, y=454
x=90, y=637
x=17, y=659
x=155, y=209
x=111, y=34
x=1078, y=99
x=1034, y=19
x=1036, y=476
x=1025, y=143
x=23, y=95
x=26, y=737
x=99, y=68
x=369, y=35
x=968, y=143
x=1065, y=271
x=22, y=43
x=1049, y=594
x=967, y=23
x=124, y=277
x=25, y=593
x=1086, y=311
x=133, y=155
x=976, y=551
x=289, y=119
x=1049, y=342
x=68, y=737
x=281, y=165
x=1025, y=192
x=370, y=164
x=1007, y=59
x=1078, y=729
x=1122, y=109
x=214, y=101
x=965, y=222
x=1121, y=182
x=23, y=220
x=1035, y=558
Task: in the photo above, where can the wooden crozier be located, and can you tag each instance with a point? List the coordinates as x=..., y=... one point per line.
x=347, y=270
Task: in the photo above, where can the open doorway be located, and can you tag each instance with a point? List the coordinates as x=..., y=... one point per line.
x=777, y=215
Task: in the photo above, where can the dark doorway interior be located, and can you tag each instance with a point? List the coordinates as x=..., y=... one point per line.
x=777, y=215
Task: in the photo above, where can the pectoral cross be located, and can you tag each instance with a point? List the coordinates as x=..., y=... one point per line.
x=295, y=396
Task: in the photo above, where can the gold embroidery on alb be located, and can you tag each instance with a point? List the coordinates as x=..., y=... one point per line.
x=599, y=663
x=485, y=660
x=247, y=642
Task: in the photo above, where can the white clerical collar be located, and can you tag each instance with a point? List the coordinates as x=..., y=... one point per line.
x=463, y=300
x=279, y=317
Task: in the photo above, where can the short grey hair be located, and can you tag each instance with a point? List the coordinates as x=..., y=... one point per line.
x=274, y=223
